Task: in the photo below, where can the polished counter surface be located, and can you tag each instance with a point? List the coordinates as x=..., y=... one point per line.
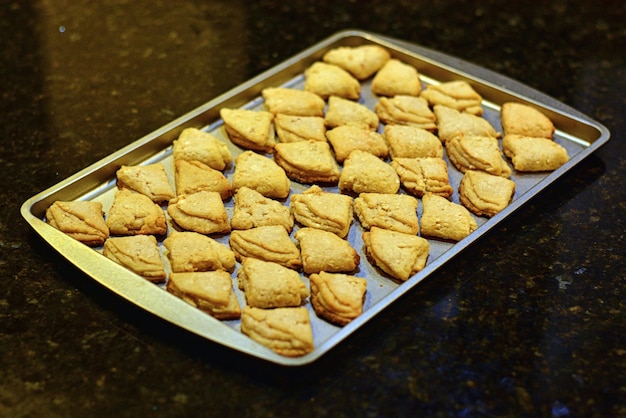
x=528, y=321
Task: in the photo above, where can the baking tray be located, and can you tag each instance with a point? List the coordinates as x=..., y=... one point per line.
x=579, y=134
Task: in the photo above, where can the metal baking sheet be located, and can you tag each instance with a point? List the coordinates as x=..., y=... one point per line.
x=579, y=134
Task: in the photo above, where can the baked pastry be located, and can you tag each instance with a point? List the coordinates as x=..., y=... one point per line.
x=262, y=174
x=195, y=176
x=138, y=253
x=286, y=331
x=363, y=172
x=202, y=212
x=268, y=243
x=134, y=213
x=406, y=110
x=209, y=291
x=360, y=61
x=291, y=128
x=469, y=152
x=455, y=94
x=281, y=100
x=485, y=194
x=521, y=119
x=307, y=161
x=250, y=129
x=347, y=138
x=337, y=298
x=196, y=145
x=325, y=251
x=150, y=180
x=347, y=112
x=397, y=78
x=269, y=285
x=444, y=219
x=252, y=209
x=412, y=142
x=451, y=123
x=80, y=219
x=190, y=251
x=397, y=212
x=534, y=154
x=327, y=80
x=419, y=176
x=323, y=210
x=398, y=254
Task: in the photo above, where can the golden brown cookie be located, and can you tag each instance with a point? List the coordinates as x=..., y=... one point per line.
x=444, y=219
x=398, y=254
x=191, y=251
x=268, y=243
x=287, y=101
x=411, y=142
x=291, y=128
x=468, y=152
x=81, y=220
x=534, y=154
x=451, y=123
x=269, y=285
x=150, y=180
x=423, y=175
x=360, y=61
x=521, y=119
x=325, y=251
x=252, y=209
x=195, y=176
x=347, y=112
x=196, y=145
x=262, y=174
x=397, y=212
x=345, y=139
x=134, y=213
x=250, y=129
x=337, y=298
x=202, y=212
x=397, y=78
x=485, y=194
x=323, y=210
x=406, y=110
x=363, y=172
x=327, y=80
x=139, y=254
x=307, y=161
x=286, y=331
x=456, y=94
x=209, y=291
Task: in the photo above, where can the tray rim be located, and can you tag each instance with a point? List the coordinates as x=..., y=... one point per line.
x=135, y=288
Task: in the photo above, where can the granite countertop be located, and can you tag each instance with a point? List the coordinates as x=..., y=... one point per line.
x=529, y=321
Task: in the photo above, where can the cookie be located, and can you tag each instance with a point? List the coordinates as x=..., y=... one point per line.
x=196, y=145
x=398, y=254
x=81, y=220
x=455, y=94
x=337, y=298
x=444, y=219
x=138, y=253
x=210, y=291
x=190, y=251
x=397, y=78
x=485, y=194
x=323, y=210
x=325, y=251
x=286, y=331
x=363, y=172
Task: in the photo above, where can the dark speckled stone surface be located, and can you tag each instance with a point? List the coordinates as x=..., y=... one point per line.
x=529, y=321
